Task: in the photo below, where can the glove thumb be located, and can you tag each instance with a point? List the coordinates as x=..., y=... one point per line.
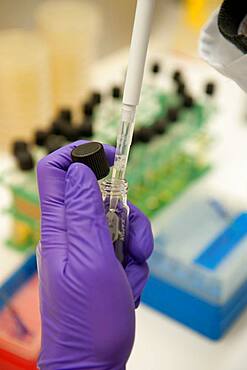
x=84, y=210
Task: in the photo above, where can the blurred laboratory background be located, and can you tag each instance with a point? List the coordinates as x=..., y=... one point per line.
x=62, y=69
x=116, y=17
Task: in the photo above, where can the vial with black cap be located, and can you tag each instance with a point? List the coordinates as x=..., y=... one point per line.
x=96, y=98
x=19, y=146
x=210, y=88
x=85, y=129
x=65, y=115
x=24, y=158
x=92, y=154
x=157, y=80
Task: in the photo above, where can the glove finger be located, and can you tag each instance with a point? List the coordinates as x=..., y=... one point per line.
x=140, y=240
x=87, y=230
x=137, y=275
x=51, y=172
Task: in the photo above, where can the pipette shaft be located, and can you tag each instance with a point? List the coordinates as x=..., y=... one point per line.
x=133, y=83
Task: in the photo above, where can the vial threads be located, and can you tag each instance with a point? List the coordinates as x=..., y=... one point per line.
x=117, y=218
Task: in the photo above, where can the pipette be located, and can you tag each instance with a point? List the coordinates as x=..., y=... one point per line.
x=133, y=83
x=115, y=191
x=132, y=88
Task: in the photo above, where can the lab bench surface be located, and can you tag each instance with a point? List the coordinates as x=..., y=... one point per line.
x=163, y=344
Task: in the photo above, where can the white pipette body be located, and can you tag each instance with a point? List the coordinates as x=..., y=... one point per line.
x=133, y=83
x=138, y=51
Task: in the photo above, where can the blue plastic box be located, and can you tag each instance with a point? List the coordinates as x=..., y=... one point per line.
x=19, y=277
x=198, y=269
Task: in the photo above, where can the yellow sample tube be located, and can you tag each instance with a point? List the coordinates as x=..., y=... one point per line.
x=25, y=89
x=70, y=29
x=197, y=11
x=193, y=14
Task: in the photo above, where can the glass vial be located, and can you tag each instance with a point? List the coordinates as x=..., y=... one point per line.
x=114, y=193
x=117, y=217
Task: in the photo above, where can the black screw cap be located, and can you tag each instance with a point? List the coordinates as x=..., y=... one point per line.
x=25, y=161
x=145, y=134
x=172, y=114
x=160, y=126
x=92, y=155
x=54, y=142
x=210, y=88
x=19, y=146
x=87, y=109
x=56, y=127
x=181, y=88
x=96, y=98
x=86, y=128
x=40, y=137
x=65, y=115
x=116, y=92
x=69, y=132
x=155, y=68
x=177, y=76
x=188, y=102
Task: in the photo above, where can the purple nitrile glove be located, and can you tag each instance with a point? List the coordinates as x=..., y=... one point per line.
x=87, y=299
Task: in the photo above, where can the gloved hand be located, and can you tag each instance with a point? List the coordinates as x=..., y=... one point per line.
x=87, y=299
x=221, y=54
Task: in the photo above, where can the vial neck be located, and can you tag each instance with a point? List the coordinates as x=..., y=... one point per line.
x=117, y=188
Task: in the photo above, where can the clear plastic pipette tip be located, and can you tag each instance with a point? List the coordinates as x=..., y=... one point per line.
x=124, y=140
